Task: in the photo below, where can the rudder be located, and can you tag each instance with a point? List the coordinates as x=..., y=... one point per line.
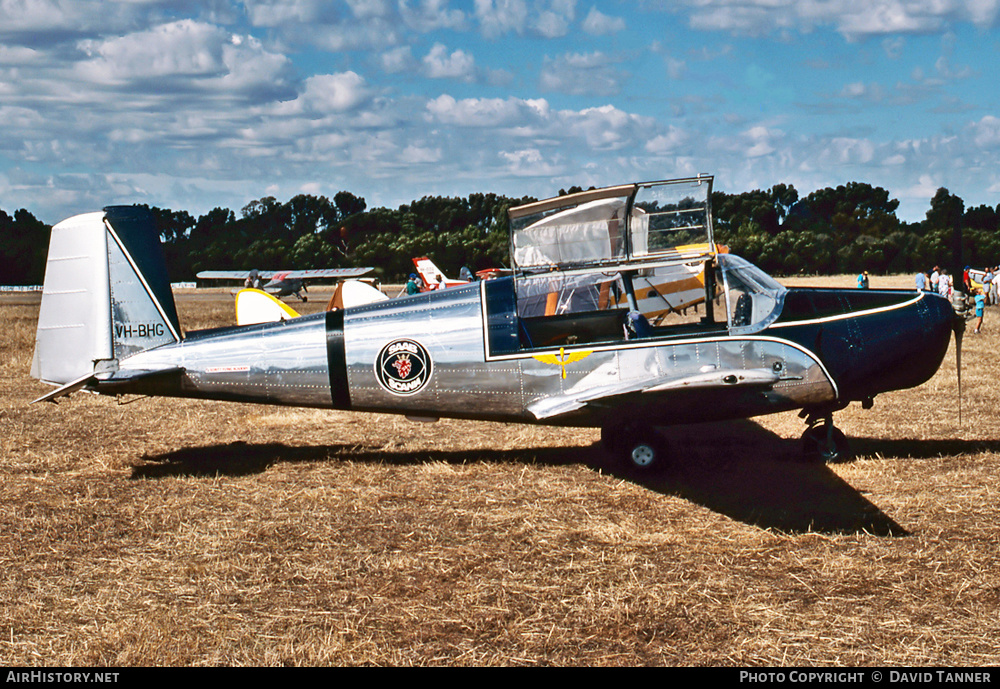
x=106, y=295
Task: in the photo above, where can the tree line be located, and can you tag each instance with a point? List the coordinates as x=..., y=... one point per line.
x=846, y=229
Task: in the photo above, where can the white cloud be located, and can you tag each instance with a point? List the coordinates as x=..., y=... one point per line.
x=186, y=56
x=185, y=49
x=420, y=155
x=925, y=188
x=670, y=142
x=16, y=55
x=879, y=17
x=430, y=15
x=675, y=68
x=256, y=72
x=581, y=74
x=554, y=21
x=854, y=20
x=847, y=151
x=499, y=17
x=335, y=92
x=986, y=132
x=365, y=9
x=760, y=141
x=398, y=60
x=484, y=112
x=859, y=90
x=893, y=47
x=364, y=24
x=42, y=22
x=438, y=64
x=529, y=162
x=545, y=18
x=607, y=128
x=600, y=24
x=982, y=13
x=948, y=72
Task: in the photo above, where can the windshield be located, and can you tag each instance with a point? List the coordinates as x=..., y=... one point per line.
x=753, y=298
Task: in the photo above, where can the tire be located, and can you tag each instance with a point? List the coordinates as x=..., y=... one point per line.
x=642, y=452
x=644, y=455
x=819, y=446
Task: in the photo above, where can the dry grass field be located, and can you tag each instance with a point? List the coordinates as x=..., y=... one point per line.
x=181, y=532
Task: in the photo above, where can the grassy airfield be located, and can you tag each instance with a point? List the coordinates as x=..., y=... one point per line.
x=182, y=532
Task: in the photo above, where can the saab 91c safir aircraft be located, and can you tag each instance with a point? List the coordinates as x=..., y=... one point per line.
x=572, y=337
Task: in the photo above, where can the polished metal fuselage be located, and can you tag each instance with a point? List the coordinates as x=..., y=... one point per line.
x=332, y=360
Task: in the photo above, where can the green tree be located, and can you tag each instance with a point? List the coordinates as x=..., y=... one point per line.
x=24, y=241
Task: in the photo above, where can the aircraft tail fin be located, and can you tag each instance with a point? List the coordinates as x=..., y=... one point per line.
x=429, y=272
x=106, y=295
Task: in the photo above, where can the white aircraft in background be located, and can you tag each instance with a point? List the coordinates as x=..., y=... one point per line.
x=283, y=283
x=434, y=277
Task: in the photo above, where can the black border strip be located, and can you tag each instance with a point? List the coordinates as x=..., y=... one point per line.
x=336, y=360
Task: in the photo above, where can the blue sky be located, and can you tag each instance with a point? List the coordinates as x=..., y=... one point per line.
x=194, y=105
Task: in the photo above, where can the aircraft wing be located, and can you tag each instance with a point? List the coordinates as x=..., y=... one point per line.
x=342, y=273
x=549, y=407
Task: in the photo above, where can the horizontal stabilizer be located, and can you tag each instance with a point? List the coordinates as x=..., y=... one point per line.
x=138, y=381
x=67, y=389
x=124, y=381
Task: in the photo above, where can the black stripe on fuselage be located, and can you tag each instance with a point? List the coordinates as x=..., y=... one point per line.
x=336, y=357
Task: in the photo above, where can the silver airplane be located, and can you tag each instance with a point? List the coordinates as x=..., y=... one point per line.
x=580, y=334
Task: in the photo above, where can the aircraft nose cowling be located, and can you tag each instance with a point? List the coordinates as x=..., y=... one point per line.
x=894, y=348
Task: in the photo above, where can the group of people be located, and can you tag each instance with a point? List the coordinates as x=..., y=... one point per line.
x=983, y=293
x=937, y=281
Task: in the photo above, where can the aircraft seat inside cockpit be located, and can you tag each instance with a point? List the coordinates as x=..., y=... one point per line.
x=637, y=326
x=572, y=328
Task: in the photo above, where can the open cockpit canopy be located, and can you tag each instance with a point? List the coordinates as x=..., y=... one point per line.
x=631, y=261
x=633, y=226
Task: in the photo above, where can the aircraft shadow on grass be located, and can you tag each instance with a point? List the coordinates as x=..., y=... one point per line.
x=737, y=469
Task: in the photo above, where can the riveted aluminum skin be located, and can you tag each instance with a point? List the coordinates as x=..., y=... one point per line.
x=466, y=382
x=273, y=363
x=449, y=326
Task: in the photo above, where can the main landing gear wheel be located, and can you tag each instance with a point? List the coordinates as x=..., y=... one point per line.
x=635, y=450
x=825, y=443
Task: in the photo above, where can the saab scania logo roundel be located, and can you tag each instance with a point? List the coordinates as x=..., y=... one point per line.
x=403, y=367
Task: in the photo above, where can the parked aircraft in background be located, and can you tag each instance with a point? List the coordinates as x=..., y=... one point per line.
x=433, y=277
x=978, y=277
x=282, y=282
x=256, y=306
x=504, y=349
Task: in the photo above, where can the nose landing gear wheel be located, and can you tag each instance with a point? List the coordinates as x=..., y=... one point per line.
x=825, y=443
x=635, y=450
x=643, y=455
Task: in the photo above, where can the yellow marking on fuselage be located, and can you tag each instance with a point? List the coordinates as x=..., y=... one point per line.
x=561, y=359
